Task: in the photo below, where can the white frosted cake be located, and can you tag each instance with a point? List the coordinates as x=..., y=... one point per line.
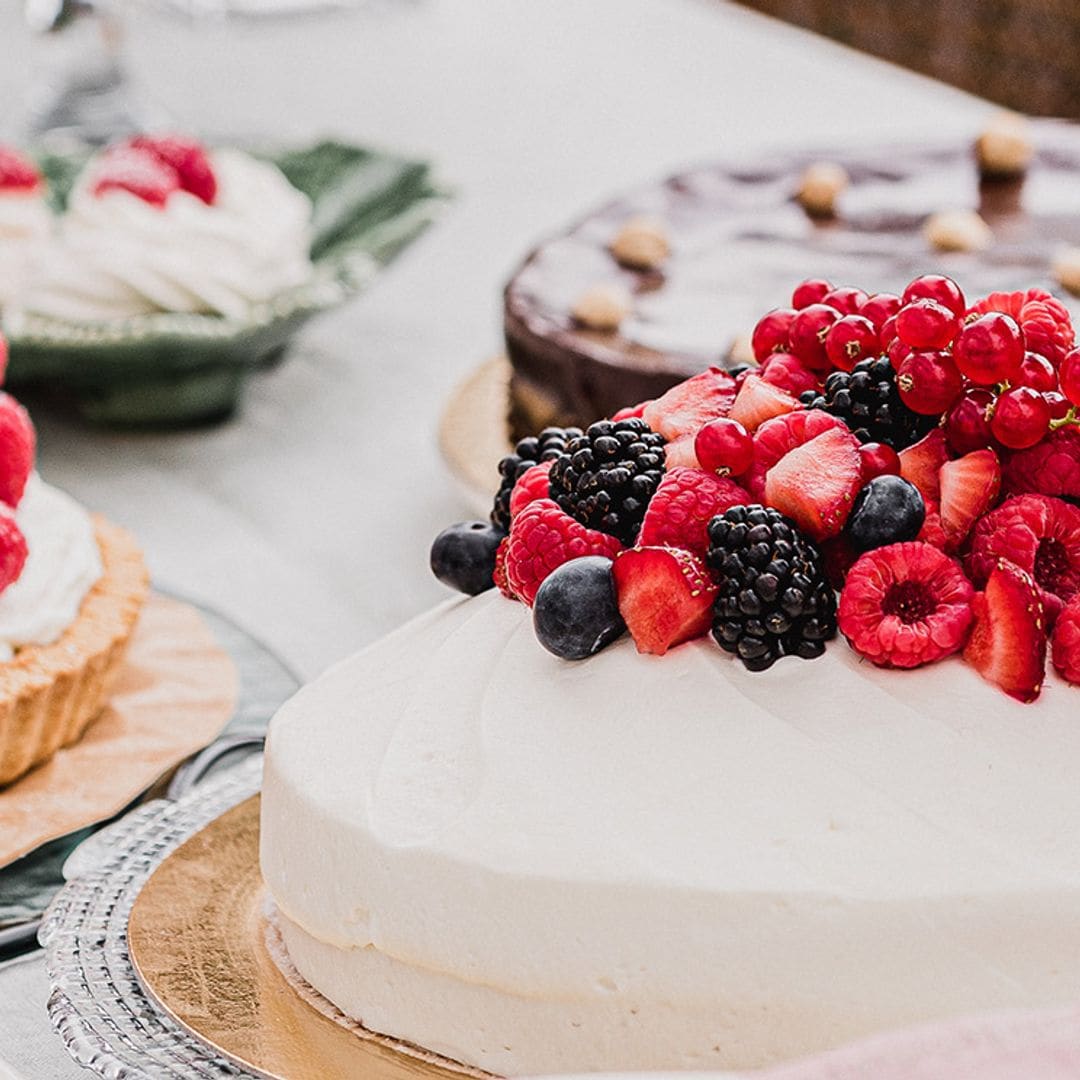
x=665, y=862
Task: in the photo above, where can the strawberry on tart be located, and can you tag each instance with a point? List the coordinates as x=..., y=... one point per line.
x=71, y=589
x=668, y=821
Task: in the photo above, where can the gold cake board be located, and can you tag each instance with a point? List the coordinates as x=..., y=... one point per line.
x=198, y=941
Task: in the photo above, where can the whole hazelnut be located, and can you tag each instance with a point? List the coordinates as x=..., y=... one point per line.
x=1067, y=269
x=820, y=187
x=602, y=307
x=641, y=244
x=957, y=230
x=1004, y=147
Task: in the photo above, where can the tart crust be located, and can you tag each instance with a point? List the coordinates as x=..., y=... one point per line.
x=50, y=694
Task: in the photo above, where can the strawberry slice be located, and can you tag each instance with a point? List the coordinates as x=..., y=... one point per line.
x=690, y=404
x=932, y=531
x=684, y=504
x=665, y=596
x=816, y=483
x=921, y=462
x=682, y=452
x=969, y=488
x=137, y=172
x=759, y=401
x=628, y=412
x=780, y=436
x=1008, y=643
x=187, y=156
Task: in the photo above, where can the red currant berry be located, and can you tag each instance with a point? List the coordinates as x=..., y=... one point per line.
x=967, y=426
x=789, y=372
x=1059, y=404
x=929, y=382
x=1021, y=418
x=926, y=324
x=850, y=340
x=879, y=307
x=888, y=332
x=846, y=300
x=807, y=335
x=1037, y=372
x=878, y=459
x=723, y=446
x=937, y=287
x=990, y=349
x=771, y=333
x=810, y=292
x=1069, y=374
x=898, y=352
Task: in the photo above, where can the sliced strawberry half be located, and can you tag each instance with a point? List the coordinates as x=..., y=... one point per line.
x=780, y=436
x=665, y=596
x=682, y=452
x=969, y=488
x=188, y=157
x=759, y=401
x=17, y=171
x=816, y=483
x=921, y=462
x=691, y=404
x=1008, y=642
x=684, y=504
x=631, y=411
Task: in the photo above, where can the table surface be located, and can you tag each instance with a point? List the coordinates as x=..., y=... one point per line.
x=308, y=517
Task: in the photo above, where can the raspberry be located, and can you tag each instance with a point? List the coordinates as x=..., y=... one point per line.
x=531, y=485
x=499, y=574
x=137, y=172
x=1040, y=535
x=542, y=537
x=1065, y=643
x=906, y=605
x=188, y=157
x=684, y=504
x=12, y=549
x=17, y=444
x=17, y=172
x=1047, y=327
x=778, y=436
x=1051, y=467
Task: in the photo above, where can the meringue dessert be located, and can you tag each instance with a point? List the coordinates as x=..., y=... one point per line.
x=165, y=225
x=25, y=221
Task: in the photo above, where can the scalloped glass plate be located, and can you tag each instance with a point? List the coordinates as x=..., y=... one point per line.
x=173, y=369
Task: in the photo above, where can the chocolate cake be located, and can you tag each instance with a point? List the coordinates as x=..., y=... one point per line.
x=740, y=241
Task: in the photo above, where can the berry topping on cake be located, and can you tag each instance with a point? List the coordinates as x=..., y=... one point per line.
x=774, y=597
x=816, y=483
x=809, y=329
x=921, y=462
x=13, y=550
x=990, y=349
x=136, y=172
x=684, y=504
x=789, y=373
x=546, y=446
x=17, y=447
x=1008, y=641
x=933, y=532
x=685, y=407
x=905, y=605
x=463, y=556
x=758, y=401
x=534, y=483
x=868, y=401
x=606, y=477
x=17, y=172
x=772, y=333
x=779, y=436
x=967, y=424
x=1037, y=533
x=1065, y=643
x=887, y=510
x=878, y=460
x=849, y=340
x=576, y=613
x=929, y=382
x=969, y=488
x=187, y=157
x=665, y=596
x=543, y=537
x=935, y=287
x=1052, y=467
x=498, y=575
x=632, y=410
x=1044, y=320
x=724, y=447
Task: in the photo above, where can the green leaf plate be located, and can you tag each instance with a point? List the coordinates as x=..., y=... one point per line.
x=167, y=369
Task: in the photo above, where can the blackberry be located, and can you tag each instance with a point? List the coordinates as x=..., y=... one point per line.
x=774, y=598
x=549, y=444
x=607, y=476
x=868, y=401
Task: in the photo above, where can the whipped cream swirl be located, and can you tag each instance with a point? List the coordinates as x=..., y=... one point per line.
x=26, y=225
x=118, y=256
x=63, y=563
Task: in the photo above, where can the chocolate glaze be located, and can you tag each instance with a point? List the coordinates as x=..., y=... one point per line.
x=740, y=243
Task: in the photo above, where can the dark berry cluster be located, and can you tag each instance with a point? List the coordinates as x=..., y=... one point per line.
x=868, y=400
x=607, y=476
x=774, y=598
x=546, y=446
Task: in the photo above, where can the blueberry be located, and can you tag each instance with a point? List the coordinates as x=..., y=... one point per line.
x=888, y=510
x=575, y=613
x=463, y=556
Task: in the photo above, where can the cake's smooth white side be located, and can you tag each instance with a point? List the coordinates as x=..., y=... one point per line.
x=639, y=862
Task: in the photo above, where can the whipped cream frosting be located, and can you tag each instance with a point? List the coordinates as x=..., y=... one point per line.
x=26, y=224
x=63, y=563
x=118, y=256
x=666, y=862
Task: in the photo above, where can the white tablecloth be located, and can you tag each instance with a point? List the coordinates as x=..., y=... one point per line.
x=308, y=518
